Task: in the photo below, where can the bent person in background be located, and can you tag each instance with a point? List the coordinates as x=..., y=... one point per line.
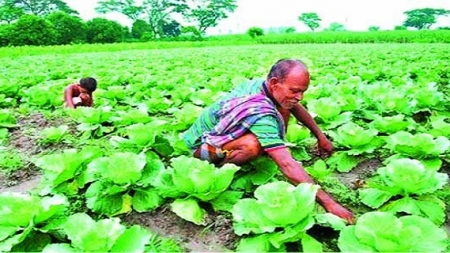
x=80, y=94
x=251, y=120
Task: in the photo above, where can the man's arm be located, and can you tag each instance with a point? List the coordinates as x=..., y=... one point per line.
x=302, y=115
x=68, y=94
x=296, y=174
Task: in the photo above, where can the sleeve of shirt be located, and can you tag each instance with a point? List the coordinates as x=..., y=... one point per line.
x=267, y=133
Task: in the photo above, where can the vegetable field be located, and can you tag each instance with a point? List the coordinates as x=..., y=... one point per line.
x=117, y=177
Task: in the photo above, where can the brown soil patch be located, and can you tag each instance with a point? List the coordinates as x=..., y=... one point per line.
x=216, y=236
x=361, y=172
x=24, y=140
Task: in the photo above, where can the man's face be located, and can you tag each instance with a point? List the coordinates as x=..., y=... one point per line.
x=289, y=92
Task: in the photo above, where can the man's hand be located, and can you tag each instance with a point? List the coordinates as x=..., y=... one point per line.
x=340, y=211
x=85, y=98
x=325, y=146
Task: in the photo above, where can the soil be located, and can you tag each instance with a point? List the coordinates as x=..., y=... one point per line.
x=216, y=236
x=355, y=178
x=24, y=140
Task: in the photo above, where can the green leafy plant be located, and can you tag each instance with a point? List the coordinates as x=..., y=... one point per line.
x=356, y=138
x=107, y=235
x=277, y=205
x=10, y=160
x=329, y=112
x=421, y=145
x=391, y=124
x=384, y=232
x=94, y=122
x=53, y=134
x=412, y=184
x=25, y=216
x=66, y=172
x=122, y=182
x=193, y=180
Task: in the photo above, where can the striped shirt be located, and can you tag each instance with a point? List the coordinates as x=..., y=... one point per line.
x=245, y=108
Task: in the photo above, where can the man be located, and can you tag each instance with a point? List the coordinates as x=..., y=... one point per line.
x=80, y=94
x=252, y=119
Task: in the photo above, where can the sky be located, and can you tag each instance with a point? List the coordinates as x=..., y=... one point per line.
x=356, y=15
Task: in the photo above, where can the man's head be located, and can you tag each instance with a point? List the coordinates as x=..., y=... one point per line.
x=89, y=84
x=287, y=80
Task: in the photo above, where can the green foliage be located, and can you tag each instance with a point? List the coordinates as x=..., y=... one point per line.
x=384, y=232
x=374, y=28
x=5, y=35
x=171, y=29
x=100, y=30
x=154, y=11
x=406, y=186
x=24, y=216
x=190, y=31
x=281, y=213
x=335, y=27
x=53, y=134
x=9, y=12
x=423, y=18
x=139, y=28
x=208, y=13
x=255, y=32
x=107, y=235
x=424, y=36
x=399, y=28
x=10, y=160
x=281, y=30
x=69, y=29
x=126, y=7
x=277, y=205
x=420, y=145
x=42, y=7
x=310, y=19
x=356, y=138
x=32, y=30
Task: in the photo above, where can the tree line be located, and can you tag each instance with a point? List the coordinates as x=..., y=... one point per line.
x=49, y=22
x=53, y=22
x=419, y=19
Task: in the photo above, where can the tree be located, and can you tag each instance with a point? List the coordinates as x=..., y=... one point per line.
x=281, y=29
x=9, y=12
x=255, y=32
x=423, y=18
x=399, y=27
x=140, y=27
x=156, y=12
x=171, y=29
x=42, y=7
x=336, y=27
x=69, y=29
x=5, y=35
x=190, y=31
x=374, y=28
x=125, y=7
x=32, y=30
x=310, y=19
x=208, y=13
x=100, y=30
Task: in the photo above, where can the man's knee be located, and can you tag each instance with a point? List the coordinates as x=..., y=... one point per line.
x=247, y=145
